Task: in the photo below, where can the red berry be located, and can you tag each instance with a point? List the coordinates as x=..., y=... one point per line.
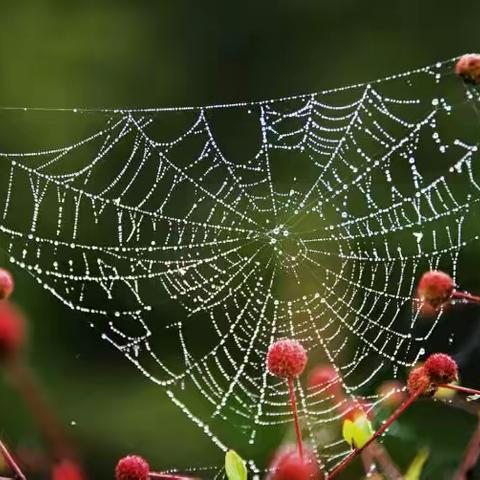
x=435, y=288
x=12, y=330
x=325, y=377
x=287, y=465
x=6, y=284
x=67, y=470
x=286, y=358
x=468, y=68
x=419, y=380
x=132, y=467
x=441, y=368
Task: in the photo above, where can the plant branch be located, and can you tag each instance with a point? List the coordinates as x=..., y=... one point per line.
x=342, y=465
x=23, y=378
x=465, y=296
x=11, y=461
x=459, y=388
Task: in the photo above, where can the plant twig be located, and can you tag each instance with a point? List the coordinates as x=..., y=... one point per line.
x=53, y=430
x=459, y=388
x=342, y=465
x=11, y=461
x=465, y=296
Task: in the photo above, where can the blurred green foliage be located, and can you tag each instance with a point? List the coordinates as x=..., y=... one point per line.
x=142, y=54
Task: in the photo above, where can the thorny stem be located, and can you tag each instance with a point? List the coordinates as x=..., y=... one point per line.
x=341, y=466
x=471, y=456
x=26, y=385
x=459, y=388
x=11, y=462
x=293, y=403
x=465, y=296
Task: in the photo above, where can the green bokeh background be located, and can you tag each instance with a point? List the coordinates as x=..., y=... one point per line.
x=143, y=54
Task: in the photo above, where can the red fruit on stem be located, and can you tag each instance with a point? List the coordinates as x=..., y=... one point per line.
x=12, y=330
x=325, y=378
x=6, y=284
x=435, y=288
x=419, y=381
x=441, y=368
x=286, y=358
x=67, y=470
x=468, y=68
x=287, y=465
x=132, y=467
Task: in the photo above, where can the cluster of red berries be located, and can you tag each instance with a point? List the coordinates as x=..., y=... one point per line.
x=438, y=369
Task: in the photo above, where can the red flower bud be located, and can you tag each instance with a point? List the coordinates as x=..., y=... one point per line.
x=132, y=467
x=67, y=470
x=12, y=330
x=287, y=465
x=435, y=288
x=6, y=284
x=419, y=380
x=286, y=358
x=441, y=368
x=468, y=68
x=325, y=377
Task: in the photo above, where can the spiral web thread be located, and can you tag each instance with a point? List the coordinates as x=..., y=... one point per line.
x=383, y=188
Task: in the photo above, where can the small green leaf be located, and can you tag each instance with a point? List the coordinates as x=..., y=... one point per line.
x=415, y=470
x=358, y=432
x=235, y=466
x=347, y=431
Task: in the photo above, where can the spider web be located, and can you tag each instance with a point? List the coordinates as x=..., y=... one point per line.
x=195, y=237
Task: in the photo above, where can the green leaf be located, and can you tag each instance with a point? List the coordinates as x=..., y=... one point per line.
x=415, y=470
x=235, y=466
x=358, y=432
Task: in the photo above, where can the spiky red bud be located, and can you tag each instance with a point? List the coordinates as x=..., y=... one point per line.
x=419, y=380
x=132, y=467
x=441, y=368
x=468, y=68
x=6, y=284
x=287, y=465
x=435, y=288
x=67, y=470
x=325, y=377
x=286, y=358
x=12, y=330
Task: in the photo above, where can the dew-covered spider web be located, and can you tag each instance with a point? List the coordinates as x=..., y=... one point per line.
x=192, y=238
